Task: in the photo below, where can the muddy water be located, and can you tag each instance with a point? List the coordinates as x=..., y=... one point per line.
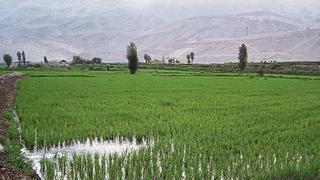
x=100, y=147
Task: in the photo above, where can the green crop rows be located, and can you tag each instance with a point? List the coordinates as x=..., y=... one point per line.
x=203, y=126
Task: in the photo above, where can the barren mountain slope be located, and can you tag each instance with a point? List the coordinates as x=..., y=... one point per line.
x=60, y=29
x=288, y=46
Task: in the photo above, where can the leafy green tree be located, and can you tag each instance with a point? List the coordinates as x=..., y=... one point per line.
x=147, y=58
x=19, y=58
x=188, y=58
x=24, y=58
x=192, y=56
x=45, y=59
x=243, y=57
x=96, y=60
x=132, y=56
x=7, y=59
x=78, y=60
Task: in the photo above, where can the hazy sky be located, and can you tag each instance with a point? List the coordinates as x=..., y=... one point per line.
x=301, y=4
x=193, y=7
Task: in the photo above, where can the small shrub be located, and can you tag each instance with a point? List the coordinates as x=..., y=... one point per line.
x=261, y=73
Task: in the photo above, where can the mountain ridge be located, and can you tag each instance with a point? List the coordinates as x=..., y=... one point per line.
x=104, y=28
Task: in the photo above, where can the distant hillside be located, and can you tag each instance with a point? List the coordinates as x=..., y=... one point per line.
x=217, y=38
x=59, y=29
x=301, y=45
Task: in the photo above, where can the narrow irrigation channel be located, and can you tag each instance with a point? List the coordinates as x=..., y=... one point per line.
x=97, y=146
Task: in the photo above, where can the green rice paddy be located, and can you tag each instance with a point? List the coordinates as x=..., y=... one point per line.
x=203, y=126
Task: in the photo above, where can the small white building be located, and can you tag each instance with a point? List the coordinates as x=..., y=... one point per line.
x=61, y=63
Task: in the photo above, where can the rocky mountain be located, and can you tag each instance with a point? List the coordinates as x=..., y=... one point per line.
x=60, y=29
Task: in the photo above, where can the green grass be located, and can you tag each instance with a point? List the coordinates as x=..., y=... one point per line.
x=12, y=147
x=2, y=72
x=220, y=119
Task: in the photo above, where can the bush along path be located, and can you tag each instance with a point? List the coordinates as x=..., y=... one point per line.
x=12, y=164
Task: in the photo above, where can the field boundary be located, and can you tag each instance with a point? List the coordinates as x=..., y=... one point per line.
x=8, y=136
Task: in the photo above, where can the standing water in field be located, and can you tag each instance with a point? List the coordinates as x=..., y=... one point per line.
x=93, y=147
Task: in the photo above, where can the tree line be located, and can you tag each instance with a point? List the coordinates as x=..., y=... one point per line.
x=21, y=56
x=80, y=60
x=132, y=56
x=133, y=61
x=21, y=59
x=190, y=58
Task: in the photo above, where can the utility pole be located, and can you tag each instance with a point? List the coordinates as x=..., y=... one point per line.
x=247, y=31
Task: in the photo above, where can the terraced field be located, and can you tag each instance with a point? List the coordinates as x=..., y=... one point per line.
x=200, y=126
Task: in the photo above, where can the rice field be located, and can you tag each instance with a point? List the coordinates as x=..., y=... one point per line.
x=202, y=127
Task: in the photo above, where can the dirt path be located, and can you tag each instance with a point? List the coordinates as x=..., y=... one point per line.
x=7, y=90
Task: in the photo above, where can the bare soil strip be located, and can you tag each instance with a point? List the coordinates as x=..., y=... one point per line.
x=7, y=90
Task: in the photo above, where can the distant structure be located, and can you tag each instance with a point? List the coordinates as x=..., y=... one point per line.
x=61, y=63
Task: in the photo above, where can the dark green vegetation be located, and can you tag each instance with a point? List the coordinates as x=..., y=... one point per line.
x=190, y=58
x=285, y=68
x=243, y=57
x=2, y=72
x=12, y=147
x=23, y=59
x=231, y=125
x=147, y=58
x=45, y=59
x=272, y=67
x=80, y=60
x=19, y=56
x=192, y=54
x=132, y=56
x=7, y=59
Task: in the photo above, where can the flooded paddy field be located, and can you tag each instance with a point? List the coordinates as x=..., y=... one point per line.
x=99, y=149
x=202, y=126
